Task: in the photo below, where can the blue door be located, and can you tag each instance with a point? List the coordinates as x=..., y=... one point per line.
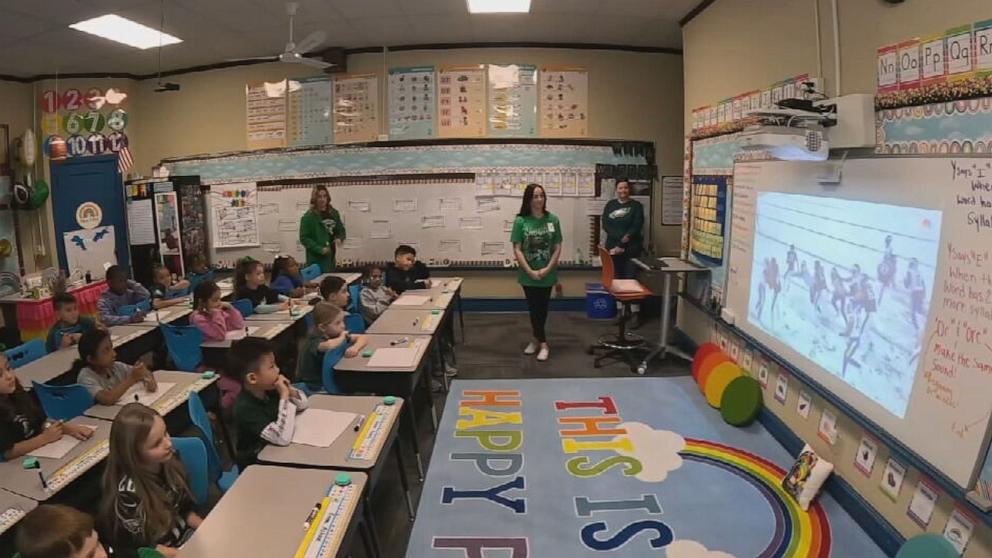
x=88, y=179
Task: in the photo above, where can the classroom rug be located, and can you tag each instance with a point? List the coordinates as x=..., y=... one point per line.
x=577, y=468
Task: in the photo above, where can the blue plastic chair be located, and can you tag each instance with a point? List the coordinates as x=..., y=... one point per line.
x=198, y=416
x=354, y=323
x=193, y=454
x=355, y=292
x=310, y=272
x=178, y=294
x=244, y=306
x=63, y=402
x=183, y=343
x=28, y=352
x=196, y=279
x=331, y=359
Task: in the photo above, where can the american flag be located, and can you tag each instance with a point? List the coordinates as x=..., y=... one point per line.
x=124, y=160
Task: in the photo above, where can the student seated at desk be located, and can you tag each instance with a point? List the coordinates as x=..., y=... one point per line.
x=335, y=291
x=121, y=291
x=214, y=317
x=23, y=425
x=375, y=296
x=328, y=334
x=265, y=410
x=406, y=272
x=146, y=499
x=70, y=325
x=99, y=372
x=249, y=283
x=286, y=278
x=164, y=289
x=198, y=267
x=59, y=531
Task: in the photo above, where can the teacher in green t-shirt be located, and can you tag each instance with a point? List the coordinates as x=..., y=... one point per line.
x=536, y=239
x=321, y=230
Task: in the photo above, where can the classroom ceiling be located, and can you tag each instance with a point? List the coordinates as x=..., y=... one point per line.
x=35, y=38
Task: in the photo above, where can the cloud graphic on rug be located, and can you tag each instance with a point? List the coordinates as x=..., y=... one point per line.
x=692, y=549
x=657, y=450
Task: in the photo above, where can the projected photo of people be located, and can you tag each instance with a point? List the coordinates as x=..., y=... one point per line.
x=847, y=284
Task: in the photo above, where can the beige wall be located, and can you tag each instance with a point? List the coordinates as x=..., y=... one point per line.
x=633, y=96
x=729, y=50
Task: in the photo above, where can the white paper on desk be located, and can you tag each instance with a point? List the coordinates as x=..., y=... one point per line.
x=240, y=333
x=626, y=286
x=145, y=397
x=154, y=317
x=411, y=300
x=60, y=447
x=394, y=357
x=320, y=427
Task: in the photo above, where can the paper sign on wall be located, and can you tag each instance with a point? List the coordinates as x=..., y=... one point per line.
x=412, y=103
x=804, y=404
x=512, y=92
x=781, y=387
x=266, y=114
x=923, y=503
x=235, y=215
x=959, y=528
x=827, y=429
x=892, y=478
x=864, y=460
x=564, y=102
x=461, y=102
x=356, y=108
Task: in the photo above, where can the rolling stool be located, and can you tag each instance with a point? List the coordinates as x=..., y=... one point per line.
x=624, y=345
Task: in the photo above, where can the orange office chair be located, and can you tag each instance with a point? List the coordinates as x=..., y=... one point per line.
x=623, y=345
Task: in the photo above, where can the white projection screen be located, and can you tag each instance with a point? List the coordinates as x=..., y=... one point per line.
x=878, y=288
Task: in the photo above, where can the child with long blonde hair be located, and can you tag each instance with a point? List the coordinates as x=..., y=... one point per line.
x=146, y=500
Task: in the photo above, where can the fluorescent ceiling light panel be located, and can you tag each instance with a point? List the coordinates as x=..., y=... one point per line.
x=122, y=30
x=498, y=6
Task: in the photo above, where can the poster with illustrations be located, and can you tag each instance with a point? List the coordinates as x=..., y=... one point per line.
x=266, y=114
x=93, y=119
x=356, y=108
x=309, y=111
x=235, y=215
x=462, y=101
x=512, y=100
x=90, y=250
x=564, y=102
x=412, y=102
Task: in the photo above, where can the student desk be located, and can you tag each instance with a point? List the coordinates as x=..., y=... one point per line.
x=666, y=267
x=439, y=298
x=13, y=508
x=361, y=450
x=47, y=368
x=302, y=309
x=355, y=375
x=266, y=330
x=164, y=316
x=58, y=472
x=452, y=285
x=123, y=334
x=404, y=321
x=186, y=383
x=263, y=514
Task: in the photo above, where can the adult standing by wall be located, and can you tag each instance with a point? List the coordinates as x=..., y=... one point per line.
x=537, y=239
x=623, y=220
x=321, y=230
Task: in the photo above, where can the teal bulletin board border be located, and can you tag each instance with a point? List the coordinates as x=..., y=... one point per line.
x=959, y=127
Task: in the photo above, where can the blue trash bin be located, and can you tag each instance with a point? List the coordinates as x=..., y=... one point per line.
x=600, y=304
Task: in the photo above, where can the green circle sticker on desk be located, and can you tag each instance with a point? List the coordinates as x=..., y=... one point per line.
x=389, y=400
x=208, y=375
x=367, y=353
x=435, y=312
x=343, y=479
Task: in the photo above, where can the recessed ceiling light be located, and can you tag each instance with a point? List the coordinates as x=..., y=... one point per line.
x=122, y=30
x=498, y=6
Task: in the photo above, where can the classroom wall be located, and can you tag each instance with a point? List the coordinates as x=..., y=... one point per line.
x=634, y=96
x=729, y=50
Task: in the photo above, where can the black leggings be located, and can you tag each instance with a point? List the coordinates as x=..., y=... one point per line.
x=538, y=301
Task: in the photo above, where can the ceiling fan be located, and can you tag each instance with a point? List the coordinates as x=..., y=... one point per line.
x=295, y=53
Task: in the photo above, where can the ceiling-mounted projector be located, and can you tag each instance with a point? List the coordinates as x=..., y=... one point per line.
x=787, y=143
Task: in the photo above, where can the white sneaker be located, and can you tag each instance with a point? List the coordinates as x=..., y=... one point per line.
x=542, y=355
x=531, y=348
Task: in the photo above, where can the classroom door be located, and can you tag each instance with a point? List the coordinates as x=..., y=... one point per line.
x=94, y=179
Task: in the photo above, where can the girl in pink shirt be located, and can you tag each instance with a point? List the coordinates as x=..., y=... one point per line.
x=213, y=317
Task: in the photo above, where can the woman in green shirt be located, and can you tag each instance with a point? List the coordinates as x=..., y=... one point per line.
x=321, y=230
x=536, y=239
x=623, y=219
